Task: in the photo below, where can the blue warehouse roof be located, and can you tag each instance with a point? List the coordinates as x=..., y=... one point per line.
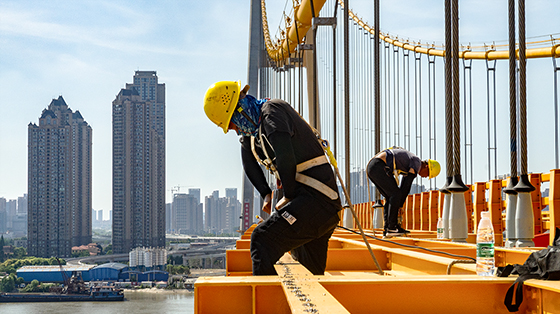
x=116, y=266
x=52, y=268
x=50, y=273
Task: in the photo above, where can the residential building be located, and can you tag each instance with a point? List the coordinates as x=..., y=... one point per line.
x=147, y=258
x=11, y=210
x=139, y=164
x=168, y=218
x=231, y=192
x=3, y=216
x=196, y=193
x=187, y=214
x=222, y=214
x=59, y=181
x=22, y=204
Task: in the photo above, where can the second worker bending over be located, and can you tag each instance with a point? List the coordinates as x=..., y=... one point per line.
x=384, y=170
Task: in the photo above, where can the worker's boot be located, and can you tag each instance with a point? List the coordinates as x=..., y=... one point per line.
x=395, y=232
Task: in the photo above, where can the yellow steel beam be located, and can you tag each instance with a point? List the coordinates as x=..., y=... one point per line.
x=554, y=204
x=258, y=294
x=244, y=244
x=303, y=291
x=367, y=293
x=351, y=284
x=295, y=30
x=503, y=255
x=238, y=263
x=489, y=54
x=355, y=259
x=432, y=294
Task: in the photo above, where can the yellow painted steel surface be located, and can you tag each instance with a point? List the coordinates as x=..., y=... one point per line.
x=296, y=28
x=489, y=53
x=281, y=48
x=303, y=291
x=415, y=281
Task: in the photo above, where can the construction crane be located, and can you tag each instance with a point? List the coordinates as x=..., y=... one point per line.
x=177, y=188
x=64, y=276
x=73, y=285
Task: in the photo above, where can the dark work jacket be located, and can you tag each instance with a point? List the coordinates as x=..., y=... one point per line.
x=293, y=142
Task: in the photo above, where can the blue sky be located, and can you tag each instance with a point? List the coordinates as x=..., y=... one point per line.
x=87, y=51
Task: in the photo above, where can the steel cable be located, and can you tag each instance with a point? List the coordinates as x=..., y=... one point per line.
x=406, y=74
x=334, y=79
x=418, y=107
x=396, y=126
x=512, y=90
x=556, y=71
x=387, y=92
x=467, y=87
x=522, y=87
x=377, y=87
x=432, y=115
x=346, y=93
x=448, y=91
x=456, y=98
x=491, y=68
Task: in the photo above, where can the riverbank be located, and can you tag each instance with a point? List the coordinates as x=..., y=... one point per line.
x=195, y=273
x=128, y=292
x=207, y=272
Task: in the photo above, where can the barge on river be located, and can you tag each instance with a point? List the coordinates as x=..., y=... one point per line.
x=102, y=293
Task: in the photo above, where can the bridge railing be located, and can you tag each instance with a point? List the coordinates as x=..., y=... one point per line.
x=422, y=210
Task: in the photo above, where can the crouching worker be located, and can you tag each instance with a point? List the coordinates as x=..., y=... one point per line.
x=274, y=134
x=384, y=170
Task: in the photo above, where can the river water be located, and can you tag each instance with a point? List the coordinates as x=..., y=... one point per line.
x=135, y=303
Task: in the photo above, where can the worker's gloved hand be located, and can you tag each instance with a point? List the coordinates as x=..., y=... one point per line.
x=266, y=203
x=282, y=203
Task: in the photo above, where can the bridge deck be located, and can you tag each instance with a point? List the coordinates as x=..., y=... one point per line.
x=414, y=281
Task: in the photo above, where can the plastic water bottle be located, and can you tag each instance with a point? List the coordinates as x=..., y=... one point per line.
x=440, y=228
x=485, y=246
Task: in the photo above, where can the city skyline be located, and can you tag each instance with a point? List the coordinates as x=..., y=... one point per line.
x=88, y=59
x=86, y=51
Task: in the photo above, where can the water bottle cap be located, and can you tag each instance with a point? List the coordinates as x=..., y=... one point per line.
x=485, y=214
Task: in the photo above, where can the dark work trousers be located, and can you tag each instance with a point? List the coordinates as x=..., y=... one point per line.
x=307, y=238
x=381, y=175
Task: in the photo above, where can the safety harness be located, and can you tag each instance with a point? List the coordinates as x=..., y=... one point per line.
x=317, y=185
x=268, y=163
x=396, y=172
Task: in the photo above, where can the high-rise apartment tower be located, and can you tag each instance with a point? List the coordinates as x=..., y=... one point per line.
x=139, y=164
x=59, y=181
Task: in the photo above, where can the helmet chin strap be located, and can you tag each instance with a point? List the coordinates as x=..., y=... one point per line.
x=244, y=114
x=240, y=109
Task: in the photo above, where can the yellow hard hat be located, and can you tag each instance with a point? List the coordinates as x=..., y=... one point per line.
x=220, y=102
x=434, y=168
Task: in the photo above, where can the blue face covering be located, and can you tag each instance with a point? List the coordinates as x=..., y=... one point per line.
x=252, y=107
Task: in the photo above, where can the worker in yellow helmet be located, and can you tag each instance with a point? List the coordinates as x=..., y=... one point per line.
x=384, y=171
x=275, y=135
